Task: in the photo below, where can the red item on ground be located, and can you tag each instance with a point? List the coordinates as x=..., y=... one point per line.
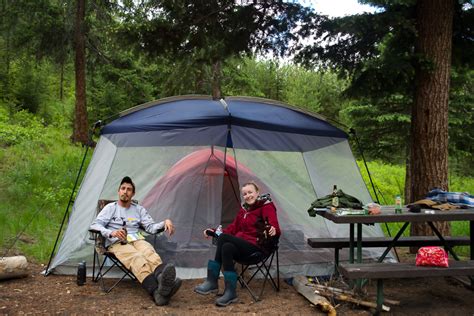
x=432, y=256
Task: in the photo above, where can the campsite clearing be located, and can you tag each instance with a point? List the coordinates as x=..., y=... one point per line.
x=60, y=294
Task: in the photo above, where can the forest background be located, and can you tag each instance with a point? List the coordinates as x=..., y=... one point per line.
x=67, y=64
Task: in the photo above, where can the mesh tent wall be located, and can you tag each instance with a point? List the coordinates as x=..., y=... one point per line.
x=188, y=157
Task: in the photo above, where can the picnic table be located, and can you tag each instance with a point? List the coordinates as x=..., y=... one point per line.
x=357, y=270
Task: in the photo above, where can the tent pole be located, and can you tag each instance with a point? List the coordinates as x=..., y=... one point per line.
x=66, y=212
x=353, y=132
x=229, y=178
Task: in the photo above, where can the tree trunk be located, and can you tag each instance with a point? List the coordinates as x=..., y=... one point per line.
x=62, y=58
x=429, y=129
x=216, y=80
x=80, y=114
x=408, y=191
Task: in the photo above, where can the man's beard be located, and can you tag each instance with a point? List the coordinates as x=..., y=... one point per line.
x=124, y=198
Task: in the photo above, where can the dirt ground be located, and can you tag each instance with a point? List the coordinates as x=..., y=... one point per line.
x=54, y=294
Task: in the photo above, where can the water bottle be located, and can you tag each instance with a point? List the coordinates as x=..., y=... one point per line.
x=335, y=198
x=218, y=230
x=81, y=273
x=398, y=204
x=124, y=228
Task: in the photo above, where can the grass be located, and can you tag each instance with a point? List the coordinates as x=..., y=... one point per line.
x=36, y=179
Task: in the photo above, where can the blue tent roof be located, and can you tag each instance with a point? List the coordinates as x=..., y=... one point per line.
x=261, y=116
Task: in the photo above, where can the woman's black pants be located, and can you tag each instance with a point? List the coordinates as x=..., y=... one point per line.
x=231, y=248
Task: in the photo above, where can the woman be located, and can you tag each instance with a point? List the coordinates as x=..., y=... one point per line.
x=255, y=226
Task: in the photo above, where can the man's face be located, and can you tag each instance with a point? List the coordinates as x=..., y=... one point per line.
x=126, y=192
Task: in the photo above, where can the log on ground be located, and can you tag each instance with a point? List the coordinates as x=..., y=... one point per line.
x=13, y=267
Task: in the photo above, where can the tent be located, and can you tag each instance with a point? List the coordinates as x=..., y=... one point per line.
x=188, y=157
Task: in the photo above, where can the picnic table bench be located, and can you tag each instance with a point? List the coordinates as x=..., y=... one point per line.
x=381, y=271
x=374, y=242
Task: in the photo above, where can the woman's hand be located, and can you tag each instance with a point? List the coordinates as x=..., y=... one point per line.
x=272, y=231
x=169, y=227
x=206, y=234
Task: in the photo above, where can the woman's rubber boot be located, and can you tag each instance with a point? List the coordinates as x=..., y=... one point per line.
x=230, y=292
x=151, y=286
x=210, y=285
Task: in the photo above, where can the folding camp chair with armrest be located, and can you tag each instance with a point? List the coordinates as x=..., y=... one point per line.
x=262, y=263
x=99, y=268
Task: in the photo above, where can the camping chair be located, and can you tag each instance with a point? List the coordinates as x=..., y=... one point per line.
x=262, y=263
x=99, y=269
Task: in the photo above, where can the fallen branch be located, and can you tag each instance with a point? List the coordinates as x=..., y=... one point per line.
x=341, y=291
x=299, y=283
x=351, y=299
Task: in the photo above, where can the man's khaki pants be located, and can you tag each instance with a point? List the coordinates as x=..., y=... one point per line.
x=138, y=256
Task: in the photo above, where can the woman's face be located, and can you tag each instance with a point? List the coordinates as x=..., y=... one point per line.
x=250, y=194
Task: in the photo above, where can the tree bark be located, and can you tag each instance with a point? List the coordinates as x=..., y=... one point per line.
x=80, y=114
x=429, y=152
x=408, y=192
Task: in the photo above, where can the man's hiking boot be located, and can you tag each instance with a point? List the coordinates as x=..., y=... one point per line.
x=166, y=280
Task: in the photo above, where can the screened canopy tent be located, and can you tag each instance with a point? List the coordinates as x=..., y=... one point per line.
x=188, y=157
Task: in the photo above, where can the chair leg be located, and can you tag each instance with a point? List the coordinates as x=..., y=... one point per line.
x=94, y=262
x=278, y=272
x=100, y=274
x=244, y=284
x=264, y=268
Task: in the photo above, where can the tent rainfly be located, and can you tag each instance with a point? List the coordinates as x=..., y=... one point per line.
x=189, y=155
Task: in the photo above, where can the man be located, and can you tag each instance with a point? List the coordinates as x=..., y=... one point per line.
x=118, y=222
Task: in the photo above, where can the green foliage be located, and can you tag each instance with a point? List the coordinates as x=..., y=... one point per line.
x=115, y=89
x=212, y=30
x=461, y=122
x=389, y=181
x=36, y=178
x=316, y=91
x=23, y=126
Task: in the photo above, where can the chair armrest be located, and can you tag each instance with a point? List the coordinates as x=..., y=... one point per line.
x=99, y=240
x=93, y=234
x=145, y=233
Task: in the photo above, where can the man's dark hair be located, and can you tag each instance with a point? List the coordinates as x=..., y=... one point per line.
x=128, y=180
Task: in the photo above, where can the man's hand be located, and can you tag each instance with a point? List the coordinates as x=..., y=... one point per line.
x=120, y=234
x=169, y=227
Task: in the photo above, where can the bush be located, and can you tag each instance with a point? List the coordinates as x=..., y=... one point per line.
x=36, y=179
x=22, y=126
